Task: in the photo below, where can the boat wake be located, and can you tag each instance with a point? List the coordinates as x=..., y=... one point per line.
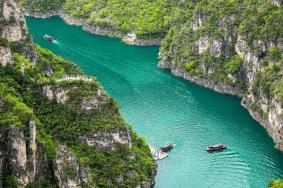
x=228, y=165
x=86, y=55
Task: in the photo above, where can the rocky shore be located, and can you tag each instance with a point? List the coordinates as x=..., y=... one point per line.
x=268, y=118
x=270, y=122
x=221, y=88
x=127, y=38
x=31, y=154
x=268, y=112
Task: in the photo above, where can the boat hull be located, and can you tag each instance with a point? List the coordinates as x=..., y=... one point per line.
x=167, y=147
x=216, y=147
x=49, y=38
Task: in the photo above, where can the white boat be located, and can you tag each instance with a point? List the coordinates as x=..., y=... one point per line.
x=49, y=38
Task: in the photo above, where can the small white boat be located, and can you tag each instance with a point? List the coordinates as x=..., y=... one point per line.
x=49, y=38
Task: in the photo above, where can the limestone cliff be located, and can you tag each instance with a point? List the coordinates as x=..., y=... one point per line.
x=69, y=172
x=57, y=126
x=232, y=52
x=15, y=28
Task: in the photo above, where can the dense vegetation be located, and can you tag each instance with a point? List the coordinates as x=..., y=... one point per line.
x=147, y=18
x=276, y=184
x=22, y=100
x=42, y=5
x=221, y=23
x=200, y=37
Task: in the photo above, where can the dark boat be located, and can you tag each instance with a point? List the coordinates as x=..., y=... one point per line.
x=167, y=147
x=49, y=38
x=216, y=147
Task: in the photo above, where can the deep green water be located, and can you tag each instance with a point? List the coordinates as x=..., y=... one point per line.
x=165, y=109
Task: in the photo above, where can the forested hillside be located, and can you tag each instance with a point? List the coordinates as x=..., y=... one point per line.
x=146, y=18
x=58, y=128
x=231, y=46
x=204, y=45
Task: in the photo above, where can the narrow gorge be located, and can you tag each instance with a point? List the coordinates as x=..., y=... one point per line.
x=59, y=127
x=230, y=47
x=167, y=109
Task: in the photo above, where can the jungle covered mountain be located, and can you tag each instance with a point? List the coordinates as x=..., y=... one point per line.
x=231, y=46
x=58, y=128
x=147, y=19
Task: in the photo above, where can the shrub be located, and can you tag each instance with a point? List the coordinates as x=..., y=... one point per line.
x=10, y=182
x=267, y=77
x=191, y=66
x=233, y=65
x=274, y=53
x=277, y=88
x=275, y=184
x=4, y=42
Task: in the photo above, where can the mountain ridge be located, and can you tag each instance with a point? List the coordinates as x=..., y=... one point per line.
x=58, y=128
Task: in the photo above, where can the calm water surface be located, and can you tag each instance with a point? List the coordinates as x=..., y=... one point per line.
x=165, y=109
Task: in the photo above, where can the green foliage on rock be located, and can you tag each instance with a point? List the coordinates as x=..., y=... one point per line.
x=145, y=18
x=148, y=19
x=191, y=66
x=210, y=36
x=277, y=89
x=42, y=5
x=274, y=53
x=22, y=99
x=267, y=77
x=233, y=65
x=275, y=183
x=4, y=42
x=10, y=181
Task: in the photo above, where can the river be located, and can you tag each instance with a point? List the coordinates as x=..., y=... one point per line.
x=166, y=109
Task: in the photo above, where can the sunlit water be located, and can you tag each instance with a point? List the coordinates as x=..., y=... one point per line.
x=165, y=109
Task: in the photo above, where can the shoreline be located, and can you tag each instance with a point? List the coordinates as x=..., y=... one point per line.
x=219, y=88
x=105, y=32
x=226, y=89
x=127, y=38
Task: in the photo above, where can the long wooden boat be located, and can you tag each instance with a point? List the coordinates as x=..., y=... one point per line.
x=216, y=147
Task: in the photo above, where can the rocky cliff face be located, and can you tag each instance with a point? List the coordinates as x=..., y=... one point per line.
x=107, y=139
x=20, y=156
x=15, y=28
x=17, y=155
x=266, y=110
x=238, y=56
x=12, y=28
x=5, y=56
x=69, y=172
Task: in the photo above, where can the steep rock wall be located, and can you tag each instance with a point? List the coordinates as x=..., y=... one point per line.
x=50, y=116
x=15, y=28
x=227, y=59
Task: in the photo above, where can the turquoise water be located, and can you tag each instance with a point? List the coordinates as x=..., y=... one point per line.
x=165, y=109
